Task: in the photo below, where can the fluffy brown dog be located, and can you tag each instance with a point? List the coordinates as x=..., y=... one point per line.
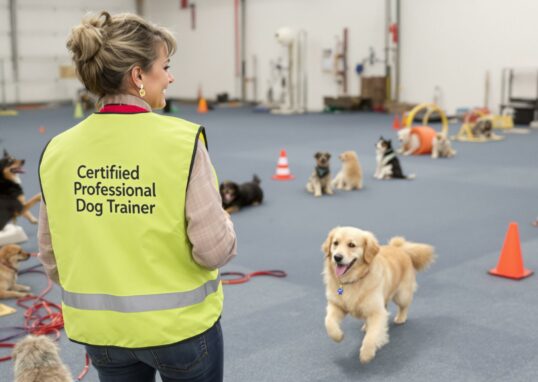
x=361, y=277
x=350, y=176
x=36, y=359
x=10, y=256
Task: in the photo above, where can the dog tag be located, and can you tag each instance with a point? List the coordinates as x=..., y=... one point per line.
x=340, y=290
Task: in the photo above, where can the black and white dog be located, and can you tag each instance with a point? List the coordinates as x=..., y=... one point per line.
x=388, y=164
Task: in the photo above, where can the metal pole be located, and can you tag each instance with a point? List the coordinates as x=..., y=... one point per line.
x=388, y=92
x=398, y=46
x=140, y=7
x=14, y=45
x=243, y=55
x=3, y=105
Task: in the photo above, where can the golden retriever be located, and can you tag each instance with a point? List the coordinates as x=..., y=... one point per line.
x=10, y=256
x=350, y=176
x=361, y=277
x=36, y=358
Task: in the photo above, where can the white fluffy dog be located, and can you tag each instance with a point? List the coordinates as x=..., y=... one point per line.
x=36, y=358
x=441, y=147
x=410, y=142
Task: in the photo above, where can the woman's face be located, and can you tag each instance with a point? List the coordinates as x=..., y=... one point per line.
x=157, y=79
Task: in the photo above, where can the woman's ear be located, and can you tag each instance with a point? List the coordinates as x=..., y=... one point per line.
x=326, y=246
x=136, y=76
x=371, y=247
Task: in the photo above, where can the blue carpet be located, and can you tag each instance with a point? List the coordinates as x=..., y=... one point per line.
x=464, y=325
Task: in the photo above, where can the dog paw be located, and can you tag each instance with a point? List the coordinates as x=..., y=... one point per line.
x=33, y=221
x=400, y=319
x=367, y=354
x=364, y=327
x=336, y=334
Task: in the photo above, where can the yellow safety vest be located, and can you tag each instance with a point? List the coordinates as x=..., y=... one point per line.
x=115, y=186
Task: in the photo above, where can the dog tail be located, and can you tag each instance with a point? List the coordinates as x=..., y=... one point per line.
x=410, y=176
x=255, y=179
x=422, y=255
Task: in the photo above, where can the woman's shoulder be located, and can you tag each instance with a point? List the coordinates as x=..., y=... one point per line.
x=175, y=121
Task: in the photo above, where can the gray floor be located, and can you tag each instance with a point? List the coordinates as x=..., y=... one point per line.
x=464, y=325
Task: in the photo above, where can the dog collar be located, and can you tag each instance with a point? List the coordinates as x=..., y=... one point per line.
x=340, y=289
x=322, y=171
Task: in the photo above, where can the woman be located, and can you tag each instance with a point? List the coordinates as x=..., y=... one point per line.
x=131, y=225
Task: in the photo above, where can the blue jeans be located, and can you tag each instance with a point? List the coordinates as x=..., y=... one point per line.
x=198, y=359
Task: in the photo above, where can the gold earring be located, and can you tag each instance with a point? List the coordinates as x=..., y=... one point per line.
x=142, y=92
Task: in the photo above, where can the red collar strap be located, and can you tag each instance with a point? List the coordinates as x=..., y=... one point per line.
x=120, y=108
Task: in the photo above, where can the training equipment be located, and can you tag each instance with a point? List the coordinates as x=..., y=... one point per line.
x=465, y=134
x=510, y=263
x=396, y=122
x=282, y=169
x=202, y=105
x=430, y=108
x=293, y=97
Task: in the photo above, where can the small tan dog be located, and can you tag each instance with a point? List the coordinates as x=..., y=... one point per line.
x=36, y=359
x=361, y=277
x=350, y=176
x=319, y=182
x=10, y=256
x=441, y=147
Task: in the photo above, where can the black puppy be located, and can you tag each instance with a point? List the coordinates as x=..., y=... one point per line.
x=235, y=196
x=12, y=201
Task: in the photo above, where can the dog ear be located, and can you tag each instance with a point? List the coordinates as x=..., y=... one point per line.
x=317, y=155
x=326, y=246
x=371, y=247
x=328, y=156
x=6, y=154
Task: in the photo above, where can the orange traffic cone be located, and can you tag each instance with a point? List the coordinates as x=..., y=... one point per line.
x=202, y=105
x=510, y=262
x=282, y=169
x=396, y=122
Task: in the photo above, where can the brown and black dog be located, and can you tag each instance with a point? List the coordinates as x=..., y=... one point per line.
x=10, y=256
x=236, y=196
x=12, y=200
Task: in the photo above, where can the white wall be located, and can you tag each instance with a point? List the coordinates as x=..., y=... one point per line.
x=42, y=30
x=205, y=56
x=449, y=44
x=453, y=43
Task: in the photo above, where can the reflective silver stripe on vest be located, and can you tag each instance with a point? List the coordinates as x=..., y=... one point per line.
x=145, y=303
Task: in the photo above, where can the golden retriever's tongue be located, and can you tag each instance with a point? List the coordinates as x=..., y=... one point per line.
x=340, y=270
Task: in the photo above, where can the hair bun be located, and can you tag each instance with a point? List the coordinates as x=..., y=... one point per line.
x=87, y=39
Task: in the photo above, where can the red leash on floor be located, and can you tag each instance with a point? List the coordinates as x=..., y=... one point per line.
x=240, y=277
x=42, y=317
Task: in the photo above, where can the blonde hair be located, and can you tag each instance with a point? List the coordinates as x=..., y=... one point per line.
x=105, y=48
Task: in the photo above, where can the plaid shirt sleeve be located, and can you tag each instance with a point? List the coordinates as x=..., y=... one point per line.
x=46, y=253
x=209, y=227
